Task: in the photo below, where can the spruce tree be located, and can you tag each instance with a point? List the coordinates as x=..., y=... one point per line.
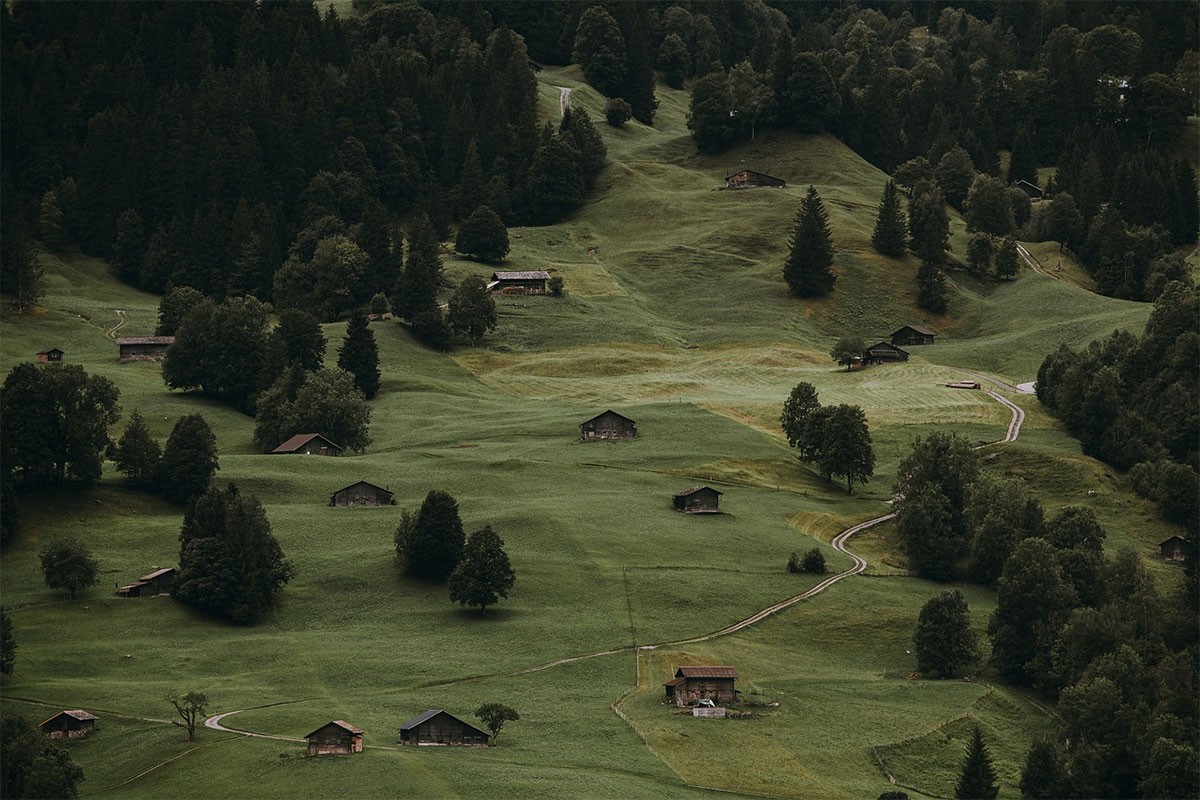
x=189, y=460
x=422, y=270
x=1007, y=260
x=484, y=574
x=1022, y=162
x=1040, y=778
x=434, y=546
x=300, y=339
x=359, y=355
x=20, y=271
x=137, y=453
x=599, y=49
x=928, y=223
x=808, y=270
x=8, y=644
x=978, y=779
x=593, y=155
x=555, y=183
x=931, y=287
x=890, y=225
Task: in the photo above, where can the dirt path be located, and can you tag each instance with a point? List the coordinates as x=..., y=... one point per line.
x=1032, y=262
x=112, y=332
x=1024, y=388
x=1018, y=418
x=564, y=99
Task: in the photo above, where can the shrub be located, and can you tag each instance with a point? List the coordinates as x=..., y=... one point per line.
x=813, y=562
x=556, y=286
x=794, y=562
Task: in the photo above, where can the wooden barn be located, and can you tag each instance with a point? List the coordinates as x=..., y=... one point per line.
x=531, y=282
x=698, y=500
x=362, y=493
x=749, y=179
x=881, y=352
x=1031, y=190
x=51, y=356
x=334, y=739
x=1176, y=548
x=144, y=348
x=69, y=725
x=309, y=444
x=697, y=683
x=608, y=425
x=156, y=583
x=437, y=727
x=912, y=334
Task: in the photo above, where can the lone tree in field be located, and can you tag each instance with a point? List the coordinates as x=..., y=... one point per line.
x=431, y=544
x=943, y=637
x=808, y=270
x=190, y=710
x=813, y=562
x=189, y=460
x=484, y=574
x=229, y=563
x=472, y=311
x=978, y=779
x=890, y=226
x=68, y=564
x=138, y=455
x=483, y=236
x=494, y=715
x=359, y=355
x=847, y=349
x=8, y=644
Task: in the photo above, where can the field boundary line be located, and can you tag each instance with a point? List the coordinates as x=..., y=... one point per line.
x=146, y=772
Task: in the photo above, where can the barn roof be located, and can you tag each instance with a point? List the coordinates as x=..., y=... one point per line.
x=78, y=714
x=531, y=275
x=695, y=489
x=602, y=413
x=299, y=440
x=752, y=172
x=883, y=345
x=425, y=716
x=48, y=352
x=1175, y=538
x=366, y=483
x=706, y=672
x=146, y=340
x=340, y=723
x=675, y=682
x=918, y=328
x=156, y=574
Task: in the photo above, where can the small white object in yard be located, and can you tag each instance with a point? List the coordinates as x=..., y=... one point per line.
x=908, y=652
x=1091, y=493
x=127, y=655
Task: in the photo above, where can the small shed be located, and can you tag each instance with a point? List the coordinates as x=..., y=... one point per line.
x=69, y=725
x=698, y=500
x=882, y=352
x=608, y=425
x=749, y=179
x=156, y=583
x=1176, y=548
x=1032, y=190
x=144, y=348
x=964, y=385
x=335, y=738
x=437, y=727
x=912, y=334
x=51, y=356
x=697, y=683
x=309, y=444
x=531, y=282
x=362, y=493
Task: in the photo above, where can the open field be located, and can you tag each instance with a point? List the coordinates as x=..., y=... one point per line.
x=676, y=316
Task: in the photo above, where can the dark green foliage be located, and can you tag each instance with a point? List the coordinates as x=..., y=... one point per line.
x=1040, y=777
x=54, y=422
x=793, y=564
x=577, y=128
x=359, y=355
x=808, y=270
x=798, y=410
x=68, y=564
x=1063, y=222
x=229, y=563
x=494, y=715
x=808, y=98
x=933, y=482
x=752, y=99
x=673, y=61
x=943, y=638
x=617, y=112
x=890, y=225
x=845, y=445
x=273, y=414
x=931, y=287
x=1007, y=261
x=189, y=460
x=129, y=250
x=8, y=643
x=484, y=574
x=638, y=87
x=555, y=286
x=1000, y=515
x=988, y=206
x=422, y=271
x=978, y=779
x=327, y=402
x=846, y=349
x=174, y=306
x=433, y=547
x=556, y=184
x=709, y=112
x=379, y=304
x=329, y=283
x=32, y=765
x=928, y=223
x=430, y=329
x=483, y=236
x=979, y=254
x=300, y=342
x=924, y=522
x=1022, y=165
x=20, y=271
x=472, y=311
x=9, y=518
x=138, y=454
x=1032, y=600
x=219, y=350
x=914, y=172
x=813, y=562
x=190, y=709
x=1179, y=495
x=955, y=174
x=51, y=223
x=600, y=50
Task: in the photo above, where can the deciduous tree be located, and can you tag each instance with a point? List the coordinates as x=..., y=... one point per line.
x=709, y=112
x=808, y=270
x=33, y=765
x=494, y=715
x=484, y=574
x=329, y=402
x=1007, y=260
x=846, y=446
x=190, y=709
x=847, y=349
x=797, y=412
x=988, y=206
x=68, y=564
x=931, y=287
x=174, y=306
x=483, y=236
x=943, y=638
x=1032, y=600
x=472, y=311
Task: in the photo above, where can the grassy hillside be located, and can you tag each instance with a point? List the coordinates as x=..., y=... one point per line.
x=676, y=316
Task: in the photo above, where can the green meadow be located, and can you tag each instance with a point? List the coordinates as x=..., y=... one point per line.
x=676, y=315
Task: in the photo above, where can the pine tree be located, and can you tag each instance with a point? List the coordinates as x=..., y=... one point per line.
x=20, y=271
x=359, y=355
x=51, y=224
x=1040, y=778
x=138, y=455
x=928, y=223
x=978, y=780
x=555, y=184
x=600, y=50
x=129, y=251
x=434, y=547
x=808, y=270
x=890, y=225
x=1007, y=260
x=189, y=460
x=1022, y=162
x=422, y=270
x=484, y=574
x=8, y=644
x=593, y=155
x=931, y=287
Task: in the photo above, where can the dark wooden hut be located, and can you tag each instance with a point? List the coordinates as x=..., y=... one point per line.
x=912, y=334
x=335, y=738
x=362, y=493
x=1031, y=190
x=437, y=727
x=608, y=425
x=698, y=500
x=1176, y=548
x=697, y=683
x=69, y=725
x=530, y=282
x=144, y=348
x=51, y=356
x=882, y=352
x=156, y=583
x=309, y=444
x=749, y=179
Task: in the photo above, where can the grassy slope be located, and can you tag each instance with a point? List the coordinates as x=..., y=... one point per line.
x=676, y=316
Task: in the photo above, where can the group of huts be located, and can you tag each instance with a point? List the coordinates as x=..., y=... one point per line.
x=889, y=350
x=129, y=348
x=430, y=728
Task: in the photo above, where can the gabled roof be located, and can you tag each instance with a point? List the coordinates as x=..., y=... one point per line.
x=602, y=413
x=918, y=328
x=706, y=672
x=1024, y=184
x=1175, y=538
x=299, y=440
x=157, y=573
x=78, y=714
x=531, y=275
x=146, y=340
x=695, y=489
x=425, y=716
x=753, y=172
x=48, y=352
x=366, y=483
x=675, y=682
x=881, y=344
x=340, y=723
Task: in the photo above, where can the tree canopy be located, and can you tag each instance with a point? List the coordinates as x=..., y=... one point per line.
x=33, y=765
x=189, y=460
x=472, y=311
x=359, y=355
x=808, y=270
x=432, y=542
x=68, y=564
x=484, y=575
x=943, y=638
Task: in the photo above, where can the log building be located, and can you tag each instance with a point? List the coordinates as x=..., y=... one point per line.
x=308, y=444
x=698, y=500
x=335, y=738
x=69, y=725
x=697, y=683
x=362, y=493
x=437, y=727
x=749, y=179
x=144, y=348
x=608, y=425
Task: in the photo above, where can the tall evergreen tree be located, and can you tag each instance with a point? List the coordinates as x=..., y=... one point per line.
x=422, y=270
x=555, y=183
x=1022, y=162
x=138, y=454
x=808, y=270
x=130, y=248
x=599, y=49
x=931, y=287
x=1007, y=260
x=928, y=223
x=359, y=355
x=638, y=85
x=435, y=544
x=978, y=778
x=943, y=638
x=890, y=225
x=20, y=271
x=189, y=460
x=1040, y=778
x=8, y=643
x=484, y=574
x=593, y=155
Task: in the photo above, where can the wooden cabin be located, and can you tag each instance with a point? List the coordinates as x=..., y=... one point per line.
x=51, y=356
x=608, y=425
x=698, y=500
x=144, y=348
x=531, y=282
x=362, y=493
x=749, y=179
x=309, y=444
x=337, y=738
x=881, y=352
x=696, y=683
x=1031, y=190
x=437, y=727
x=912, y=334
x=69, y=725
x=1176, y=548
x=158, y=582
